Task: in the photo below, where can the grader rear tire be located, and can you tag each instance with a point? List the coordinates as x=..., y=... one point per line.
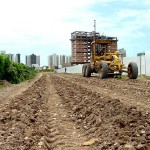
x=132, y=70
x=103, y=70
x=83, y=70
x=88, y=70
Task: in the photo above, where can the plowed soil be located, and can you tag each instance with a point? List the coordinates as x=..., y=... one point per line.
x=70, y=112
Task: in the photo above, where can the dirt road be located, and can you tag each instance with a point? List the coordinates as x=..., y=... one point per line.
x=69, y=112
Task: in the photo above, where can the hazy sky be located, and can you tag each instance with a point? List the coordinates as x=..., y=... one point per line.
x=44, y=27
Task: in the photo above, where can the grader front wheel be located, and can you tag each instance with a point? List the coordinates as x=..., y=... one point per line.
x=132, y=70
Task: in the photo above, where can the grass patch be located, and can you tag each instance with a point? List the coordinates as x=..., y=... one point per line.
x=147, y=78
x=1, y=86
x=124, y=76
x=143, y=77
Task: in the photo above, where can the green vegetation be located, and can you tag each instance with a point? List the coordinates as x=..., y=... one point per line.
x=47, y=70
x=14, y=72
x=124, y=76
x=1, y=86
x=147, y=78
x=143, y=77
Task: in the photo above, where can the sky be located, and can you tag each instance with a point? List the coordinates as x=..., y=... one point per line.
x=44, y=27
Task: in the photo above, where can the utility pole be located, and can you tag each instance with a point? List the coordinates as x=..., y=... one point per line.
x=94, y=30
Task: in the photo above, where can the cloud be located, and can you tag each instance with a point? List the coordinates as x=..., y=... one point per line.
x=45, y=26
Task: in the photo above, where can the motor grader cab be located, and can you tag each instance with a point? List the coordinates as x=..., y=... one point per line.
x=105, y=60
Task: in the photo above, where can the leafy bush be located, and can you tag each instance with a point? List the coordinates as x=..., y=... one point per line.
x=14, y=72
x=47, y=70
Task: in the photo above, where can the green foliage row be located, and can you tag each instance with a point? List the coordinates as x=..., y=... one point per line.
x=47, y=70
x=14, y=72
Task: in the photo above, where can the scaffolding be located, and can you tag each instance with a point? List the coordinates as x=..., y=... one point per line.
x=81, y=45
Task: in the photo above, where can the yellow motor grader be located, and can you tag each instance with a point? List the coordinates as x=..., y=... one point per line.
x=106, y=62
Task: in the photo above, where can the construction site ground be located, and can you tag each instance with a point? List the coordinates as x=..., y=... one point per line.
x=69, y=112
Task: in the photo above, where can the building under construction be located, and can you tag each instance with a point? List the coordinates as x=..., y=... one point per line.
x=81, y=45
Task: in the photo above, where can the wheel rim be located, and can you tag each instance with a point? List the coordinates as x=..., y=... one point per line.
x=129, y=71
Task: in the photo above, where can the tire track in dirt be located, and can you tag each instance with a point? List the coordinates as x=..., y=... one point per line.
x=63, y=133
x=115, y=125
x=137, y=95
x=37, y=120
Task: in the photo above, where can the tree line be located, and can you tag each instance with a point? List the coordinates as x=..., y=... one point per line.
x=15, y=72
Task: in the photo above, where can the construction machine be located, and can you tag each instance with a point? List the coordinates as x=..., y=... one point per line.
x=105, y=61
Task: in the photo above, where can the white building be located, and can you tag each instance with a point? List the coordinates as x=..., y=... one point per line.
x=38, y=60
x=11, y=57
x=53, y=60
x=68, y=59
x=28, y=61
x=58, y=60
x=61, y=59
x=50, y=60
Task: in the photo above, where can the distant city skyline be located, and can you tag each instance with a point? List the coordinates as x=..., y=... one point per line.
x=12, y=57
x=56, y=59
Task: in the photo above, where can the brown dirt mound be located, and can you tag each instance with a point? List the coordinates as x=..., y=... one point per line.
x=69, y=112
x=115, y=125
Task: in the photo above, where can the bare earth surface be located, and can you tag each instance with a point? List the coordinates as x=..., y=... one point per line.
x=69, y=112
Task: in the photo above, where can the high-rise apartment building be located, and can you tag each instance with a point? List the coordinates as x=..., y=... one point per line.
x=17, y=59
x=32, y=59
x=58, y=60
x=68, y=59
x=28, y=60
x=11, y=57
x=53, y=60
x=38, y=60
x=62, y=59
x=50, y=60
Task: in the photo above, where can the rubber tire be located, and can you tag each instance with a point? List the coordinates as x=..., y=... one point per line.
x=83, y=70
x=104, y=66
x=132, y=70
x=88, y=70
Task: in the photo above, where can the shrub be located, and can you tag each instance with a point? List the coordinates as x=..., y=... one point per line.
x=14, y=72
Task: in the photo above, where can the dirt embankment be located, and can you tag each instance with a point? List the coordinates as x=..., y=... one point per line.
x=64, y=111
